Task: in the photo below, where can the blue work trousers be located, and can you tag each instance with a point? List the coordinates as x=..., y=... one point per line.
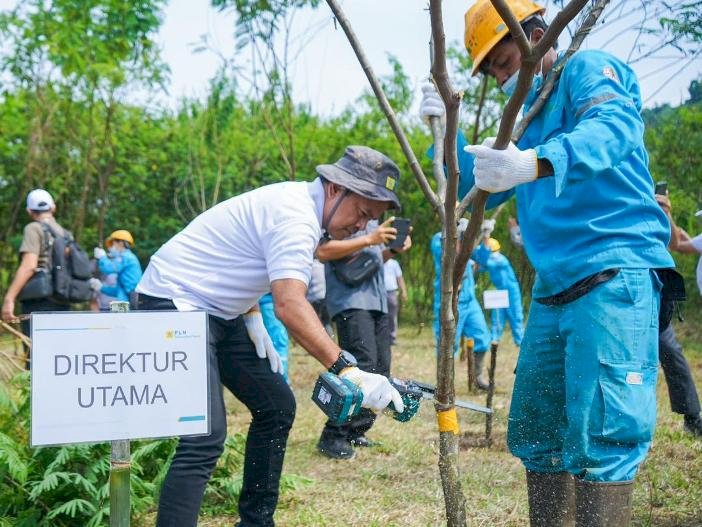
x=584, y=397
x=514, y=315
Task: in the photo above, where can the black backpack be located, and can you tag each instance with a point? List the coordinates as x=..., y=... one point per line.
x=70, y=267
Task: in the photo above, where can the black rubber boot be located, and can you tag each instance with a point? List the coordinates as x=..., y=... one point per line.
x=335, y=447
x=551, y=499
x=693, y=424
x=603, y=504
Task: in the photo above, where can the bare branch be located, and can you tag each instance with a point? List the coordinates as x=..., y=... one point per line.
x=438, y=159
x=515, y=28
x=481, y=102
x=555, y=28
x=670, y=78
x=387, y=109
x=555, y=73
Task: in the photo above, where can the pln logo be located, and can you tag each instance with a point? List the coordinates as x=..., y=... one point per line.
x=178, y=334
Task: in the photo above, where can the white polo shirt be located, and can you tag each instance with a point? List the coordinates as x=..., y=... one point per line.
x=227, y=257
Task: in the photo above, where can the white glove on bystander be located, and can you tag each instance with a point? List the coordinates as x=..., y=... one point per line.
x=264, y=345
x=99, y=253
x=498, y=170
x=95, y=284
x=487, y=227
x=432, y=105
x=377, y=390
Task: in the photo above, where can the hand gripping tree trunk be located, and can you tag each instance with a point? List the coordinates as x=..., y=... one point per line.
x=452, y=263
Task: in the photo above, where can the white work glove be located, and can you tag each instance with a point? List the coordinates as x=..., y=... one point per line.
x=377, y=390
x=432, y=105
x=262, y=340
x=95, y=284
x=99, y=253
x=498, y=170
x=487, y=227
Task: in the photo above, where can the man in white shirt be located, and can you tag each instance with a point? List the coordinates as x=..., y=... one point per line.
x=223, y=262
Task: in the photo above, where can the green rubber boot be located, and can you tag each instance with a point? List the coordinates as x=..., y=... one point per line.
x=600, y=504
x=551, y=499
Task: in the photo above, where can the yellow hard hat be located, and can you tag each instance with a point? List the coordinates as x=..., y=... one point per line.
x=485, y=27
x=493, y=244
x=122, y=235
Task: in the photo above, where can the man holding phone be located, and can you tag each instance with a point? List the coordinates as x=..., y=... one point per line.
x=357, y=303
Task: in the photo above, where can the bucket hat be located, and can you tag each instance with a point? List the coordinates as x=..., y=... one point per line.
x=366, y=172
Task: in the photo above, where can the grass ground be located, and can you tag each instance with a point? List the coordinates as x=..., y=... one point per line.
x=397, y=483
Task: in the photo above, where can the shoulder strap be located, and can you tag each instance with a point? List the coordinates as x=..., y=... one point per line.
x=48, y=241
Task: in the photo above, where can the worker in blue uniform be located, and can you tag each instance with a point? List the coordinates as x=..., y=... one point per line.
x=276, y=330
x=583, y=408
x=471, y=321
x=502, y=276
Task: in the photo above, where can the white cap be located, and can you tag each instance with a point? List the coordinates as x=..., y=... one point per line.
x=40, y=200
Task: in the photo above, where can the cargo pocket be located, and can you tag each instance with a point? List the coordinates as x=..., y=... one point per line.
x=628, y=391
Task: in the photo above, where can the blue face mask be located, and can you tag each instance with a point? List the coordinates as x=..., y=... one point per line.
x=113, y=253
x=510, y=84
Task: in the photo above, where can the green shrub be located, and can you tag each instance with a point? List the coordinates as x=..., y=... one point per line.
x=69, y=486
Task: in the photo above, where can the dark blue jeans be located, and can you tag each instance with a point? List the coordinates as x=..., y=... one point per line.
x=233, y=363
x=681, y=386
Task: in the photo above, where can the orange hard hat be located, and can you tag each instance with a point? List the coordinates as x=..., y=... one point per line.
x=485, y=27
x=121, y=235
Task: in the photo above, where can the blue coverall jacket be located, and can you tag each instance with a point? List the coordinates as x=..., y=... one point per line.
x=128, y=270
x=584, y=394
x=471, y=320
x=502, y=276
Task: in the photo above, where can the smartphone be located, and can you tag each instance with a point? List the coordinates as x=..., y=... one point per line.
x=403, y=227
x=662, y=188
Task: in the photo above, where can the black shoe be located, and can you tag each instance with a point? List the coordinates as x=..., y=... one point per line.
x=363, y=441
x=693, y=425
x=335, y=448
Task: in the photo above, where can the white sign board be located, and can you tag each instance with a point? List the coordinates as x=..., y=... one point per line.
x=495, y=298
x=111, y=376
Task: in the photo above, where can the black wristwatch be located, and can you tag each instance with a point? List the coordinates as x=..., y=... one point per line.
x=345, y=360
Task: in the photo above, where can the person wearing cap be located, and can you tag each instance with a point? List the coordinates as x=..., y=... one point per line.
x=360, y=312
x=502, y=276
x=583, y=408
x=223, y=262
x=471, y=320
x=35, y=252
x=118, y=260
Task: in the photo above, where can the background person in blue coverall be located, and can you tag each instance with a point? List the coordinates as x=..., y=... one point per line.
x=276, y=330
x=471, y=321
x=502, y=276
x=120, y=261
x=583, y=409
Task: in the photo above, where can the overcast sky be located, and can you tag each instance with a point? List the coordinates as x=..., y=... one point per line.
x=326, y=73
